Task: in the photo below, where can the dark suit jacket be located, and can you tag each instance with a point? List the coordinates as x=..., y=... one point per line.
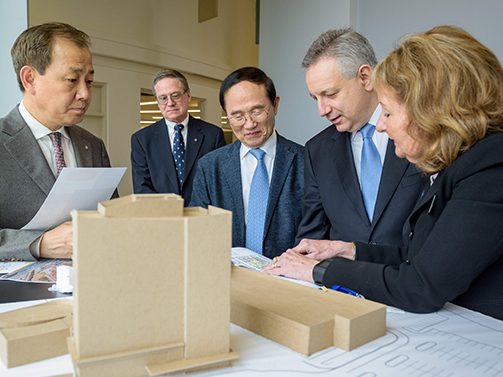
x=453, y=243
x=218, y=183
x=153, y=167
x=27, y=179
x=333, y=205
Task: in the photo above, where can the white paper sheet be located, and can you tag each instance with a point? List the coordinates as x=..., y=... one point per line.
x=75, y=188
x=247, y=258
x=10, y=267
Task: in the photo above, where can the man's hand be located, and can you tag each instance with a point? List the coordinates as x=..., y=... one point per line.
x=57, y=242
x=292, y=265
x=325, y=249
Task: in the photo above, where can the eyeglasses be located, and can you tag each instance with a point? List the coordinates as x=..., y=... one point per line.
x=256, y=115
x=175, y=97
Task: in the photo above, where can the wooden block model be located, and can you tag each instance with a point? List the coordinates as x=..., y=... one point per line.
x=35, y=333
x=151, y=287
x=302, y=318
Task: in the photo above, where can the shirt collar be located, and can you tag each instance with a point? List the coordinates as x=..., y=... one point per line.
x=171, y=125
x=373, y=119
x=38, y=129
x=269, y=147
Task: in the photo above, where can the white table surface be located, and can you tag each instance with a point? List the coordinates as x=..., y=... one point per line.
x=452, y=342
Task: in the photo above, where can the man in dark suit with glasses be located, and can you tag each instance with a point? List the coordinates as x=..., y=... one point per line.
x=164, y=154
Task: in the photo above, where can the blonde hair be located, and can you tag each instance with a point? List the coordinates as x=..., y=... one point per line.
x=452, y=88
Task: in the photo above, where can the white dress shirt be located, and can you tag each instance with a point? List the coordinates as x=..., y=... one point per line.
x=249, y=163
x=380, y=139
x=41, y=134
x=171, y=130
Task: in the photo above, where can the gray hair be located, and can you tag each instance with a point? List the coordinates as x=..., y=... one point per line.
x=173, y=74
x=349, y=47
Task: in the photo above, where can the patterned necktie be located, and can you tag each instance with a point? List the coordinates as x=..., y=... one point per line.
x=58, y=152
x=179, y=153
x=371, y=168
x=257, y=204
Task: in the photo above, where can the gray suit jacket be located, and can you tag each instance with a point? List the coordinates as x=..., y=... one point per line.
x=27, y=179
x=218, y=183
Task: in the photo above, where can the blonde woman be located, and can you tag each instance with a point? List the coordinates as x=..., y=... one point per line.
x=442, y=98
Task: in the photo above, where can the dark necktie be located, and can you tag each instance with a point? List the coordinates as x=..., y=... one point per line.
x=257, y=203
x=58, y=152
x=371, y=169
x=179, y=153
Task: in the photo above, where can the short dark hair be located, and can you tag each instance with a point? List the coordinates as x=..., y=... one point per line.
x=173, y=74
x=351, y=49
x=34, y=46
x=252, y=74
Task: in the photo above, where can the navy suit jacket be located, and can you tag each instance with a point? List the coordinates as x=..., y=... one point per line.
x=153, y=167
x=453, y=243
x=333, y=204
x=218, y=183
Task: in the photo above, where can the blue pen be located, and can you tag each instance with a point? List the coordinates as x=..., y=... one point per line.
x=340, y=288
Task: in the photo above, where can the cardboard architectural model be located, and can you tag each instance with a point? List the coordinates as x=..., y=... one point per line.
x=304, y=319
x=151, y=287
x=35, y=333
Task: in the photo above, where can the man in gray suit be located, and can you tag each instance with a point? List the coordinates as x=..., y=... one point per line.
x=39, y=137
x=260, y=176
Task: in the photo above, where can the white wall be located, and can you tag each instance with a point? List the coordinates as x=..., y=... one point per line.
x=133, y=39
x=13, y=20
x=384, y=22
x=287, y=28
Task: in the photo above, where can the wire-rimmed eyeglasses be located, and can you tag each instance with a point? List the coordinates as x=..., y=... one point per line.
x=175, y=97
x=256, y=115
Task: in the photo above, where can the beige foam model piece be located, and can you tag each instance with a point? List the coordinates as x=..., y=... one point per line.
x=34, y=333
x=304, y=319
x=151, y=287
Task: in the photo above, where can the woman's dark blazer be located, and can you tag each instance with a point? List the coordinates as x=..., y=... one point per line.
x=453, y=243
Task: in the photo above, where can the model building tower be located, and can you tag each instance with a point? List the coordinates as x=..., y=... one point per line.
x=151, y=287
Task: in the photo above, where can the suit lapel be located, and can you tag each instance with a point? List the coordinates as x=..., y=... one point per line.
x=393, y=170
x=342, y=156
x=25, y=150
x=81, y=147
x=193, y=144
x=231, y=170
x=282, y=164
x=427, y=195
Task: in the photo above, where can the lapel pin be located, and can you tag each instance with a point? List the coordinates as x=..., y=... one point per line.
x=86, y=147
x=195, y=140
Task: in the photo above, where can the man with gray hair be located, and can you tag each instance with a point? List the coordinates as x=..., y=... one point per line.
x=164, y=154
x=356, y=188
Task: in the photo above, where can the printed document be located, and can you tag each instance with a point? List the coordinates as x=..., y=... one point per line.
x=76, y=188
x=247, y=258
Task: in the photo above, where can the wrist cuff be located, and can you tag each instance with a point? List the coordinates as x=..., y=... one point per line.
x=319, y=271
